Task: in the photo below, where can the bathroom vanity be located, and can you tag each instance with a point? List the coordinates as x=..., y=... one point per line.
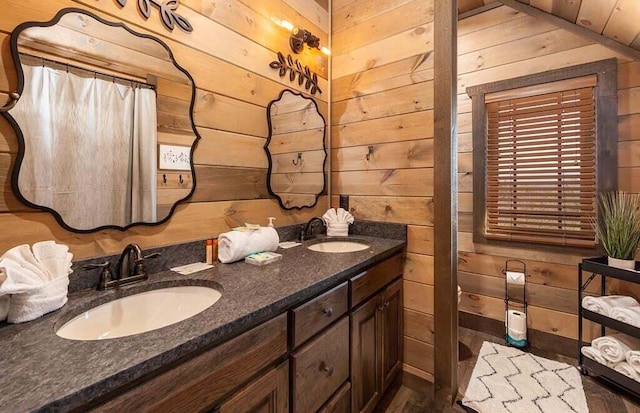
x=312, y=332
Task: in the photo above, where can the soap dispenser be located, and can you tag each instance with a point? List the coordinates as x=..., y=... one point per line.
x=271, y=219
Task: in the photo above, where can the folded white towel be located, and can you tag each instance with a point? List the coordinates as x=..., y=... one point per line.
x=629, y=315
x=615, y=347
x=30, y=285
x=337, y=216
x=624, y=368
x=595, y=355
x=23, y=256
x=52, y=257
x=49, y=297
x=603, y=305
x=236, y=245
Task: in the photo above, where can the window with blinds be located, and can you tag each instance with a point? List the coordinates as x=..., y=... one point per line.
x=541, y=163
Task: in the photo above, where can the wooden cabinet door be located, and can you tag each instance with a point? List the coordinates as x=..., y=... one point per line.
x=391, y=332
x=366, y=361
x=267, y=394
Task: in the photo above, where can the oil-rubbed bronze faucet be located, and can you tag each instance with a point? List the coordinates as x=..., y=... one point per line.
x=129, y=269
x=307, y=232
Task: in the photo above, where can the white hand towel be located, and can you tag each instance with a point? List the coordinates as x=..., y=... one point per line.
x=236, y=245
x=595, y=355
x=339, y=216
x=629, y=315
x=624, y=368
x=603, y=305
x=45, y=299
x=24, y=257
x=19, y=279
x=615, y=347
x=33, y=286
x=52, y=257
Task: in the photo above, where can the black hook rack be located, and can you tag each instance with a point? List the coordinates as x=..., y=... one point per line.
x=298, y=159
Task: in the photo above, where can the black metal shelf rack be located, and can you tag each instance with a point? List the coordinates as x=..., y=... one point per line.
x=598, y=266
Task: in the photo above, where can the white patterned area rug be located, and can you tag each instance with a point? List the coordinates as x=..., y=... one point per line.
x=508, y=380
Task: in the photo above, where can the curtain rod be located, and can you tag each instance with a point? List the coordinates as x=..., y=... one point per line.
x=94, y=72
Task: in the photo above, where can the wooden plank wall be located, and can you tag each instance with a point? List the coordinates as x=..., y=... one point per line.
x=382, y=98
x=228, y=55
x=496, y=45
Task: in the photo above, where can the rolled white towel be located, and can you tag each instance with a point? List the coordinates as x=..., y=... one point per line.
x=629, y=315
x=624, y=368
x=615, y=347
x=47, y=298
x=595, y=355
x=633, y=358
x=236, y=245
x=603, y=305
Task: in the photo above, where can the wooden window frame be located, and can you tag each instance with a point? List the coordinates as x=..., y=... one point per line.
x=606, y=103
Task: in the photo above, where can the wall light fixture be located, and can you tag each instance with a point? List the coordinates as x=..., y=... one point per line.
x=300, y=36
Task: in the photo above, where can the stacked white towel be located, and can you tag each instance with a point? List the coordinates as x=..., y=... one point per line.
x=337, y=222
x=629, y=315
x=603, y=305
x=37, y=281
x=615, y=347
x=236, y=245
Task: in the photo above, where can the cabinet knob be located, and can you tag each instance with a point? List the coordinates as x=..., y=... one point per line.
x=329, y=370
x=328, y=311
x=381, y=307
x=386, y=304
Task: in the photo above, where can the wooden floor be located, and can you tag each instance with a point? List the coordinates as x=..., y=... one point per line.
x=408, y=399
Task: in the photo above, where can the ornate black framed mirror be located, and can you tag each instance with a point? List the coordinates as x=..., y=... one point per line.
x=104, y=123
x=296, y=150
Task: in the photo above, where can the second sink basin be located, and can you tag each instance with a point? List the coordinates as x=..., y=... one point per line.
x=139, y=313
x=338, y=246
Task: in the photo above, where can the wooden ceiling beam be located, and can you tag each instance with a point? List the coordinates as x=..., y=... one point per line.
x=574, y=28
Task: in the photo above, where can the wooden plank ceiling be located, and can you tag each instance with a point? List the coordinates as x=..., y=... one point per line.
x=616, y=19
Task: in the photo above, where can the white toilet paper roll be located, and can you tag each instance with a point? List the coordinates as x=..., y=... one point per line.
x=517, y=320
x=516, y=278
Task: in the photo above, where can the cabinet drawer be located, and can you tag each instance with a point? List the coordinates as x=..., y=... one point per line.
x=372, y=280
x=311, y=317
x=320, y=368
x=340, y=402
x=200, y=382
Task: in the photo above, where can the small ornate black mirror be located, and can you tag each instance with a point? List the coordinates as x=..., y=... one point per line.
x=296, y=150
x=97, y=146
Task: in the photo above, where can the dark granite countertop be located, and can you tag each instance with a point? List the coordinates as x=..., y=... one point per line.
x=43, y=372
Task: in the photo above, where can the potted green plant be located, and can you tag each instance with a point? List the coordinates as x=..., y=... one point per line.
x=618, y=231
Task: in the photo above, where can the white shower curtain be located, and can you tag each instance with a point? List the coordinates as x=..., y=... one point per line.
x=78, y=134
x=144, y=157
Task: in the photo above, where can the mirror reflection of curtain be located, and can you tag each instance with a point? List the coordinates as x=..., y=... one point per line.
x=79, y=133
x=144, y=157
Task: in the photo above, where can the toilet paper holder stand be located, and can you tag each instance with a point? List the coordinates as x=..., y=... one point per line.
x=515, y=300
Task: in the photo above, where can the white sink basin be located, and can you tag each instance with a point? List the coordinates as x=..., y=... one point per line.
x=338, y=246
x=139, y=313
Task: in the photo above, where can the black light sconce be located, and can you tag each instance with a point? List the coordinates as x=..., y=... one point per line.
x=300, y=36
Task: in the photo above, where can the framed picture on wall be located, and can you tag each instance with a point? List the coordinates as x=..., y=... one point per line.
x=174, y=157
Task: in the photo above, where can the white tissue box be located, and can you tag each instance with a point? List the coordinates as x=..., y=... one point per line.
x=340, y=229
